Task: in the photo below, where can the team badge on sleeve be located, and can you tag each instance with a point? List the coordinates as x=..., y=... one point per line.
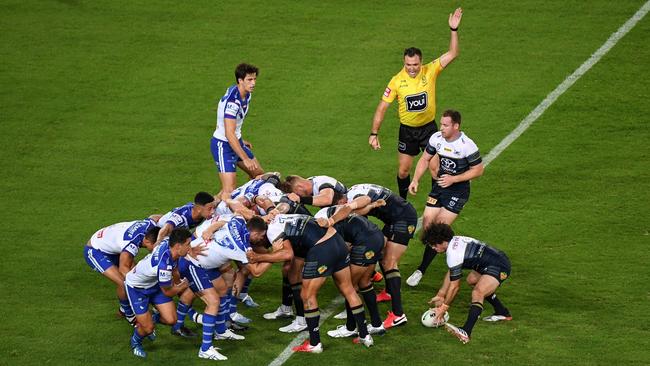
x=387, y=92
x=232, y=108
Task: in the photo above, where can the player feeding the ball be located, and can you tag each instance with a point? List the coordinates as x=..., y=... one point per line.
x=490, y=267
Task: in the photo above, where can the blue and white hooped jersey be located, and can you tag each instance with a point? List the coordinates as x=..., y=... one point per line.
x=231, y=106
x=154, y=269
x=122, y=237
x=180, y=217
x=231, y=242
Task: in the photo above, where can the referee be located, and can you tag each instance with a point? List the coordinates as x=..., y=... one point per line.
x=415, y=89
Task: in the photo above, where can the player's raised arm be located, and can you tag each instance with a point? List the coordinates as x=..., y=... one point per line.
x=454, y=22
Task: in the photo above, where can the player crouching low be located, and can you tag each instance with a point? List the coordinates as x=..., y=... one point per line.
x=151, y=281
x=490, y=267
x=315, y=253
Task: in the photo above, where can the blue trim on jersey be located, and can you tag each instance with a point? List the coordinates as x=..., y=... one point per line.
x=100, y=261
x=225, y=157
x=185, y=212
x=239, y=232
x=232, y=95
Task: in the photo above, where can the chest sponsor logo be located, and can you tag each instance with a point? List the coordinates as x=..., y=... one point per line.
x=416, y=102
x=447, y=164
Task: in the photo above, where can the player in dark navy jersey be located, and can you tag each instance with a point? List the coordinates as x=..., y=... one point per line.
x=489, y=268
x=366, y=243
x=459, y=162
x=399, y=218
x=316, y=253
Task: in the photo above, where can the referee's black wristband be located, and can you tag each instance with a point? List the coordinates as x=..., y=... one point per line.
x=453, y=29
x=307, y=200
x=373, y=134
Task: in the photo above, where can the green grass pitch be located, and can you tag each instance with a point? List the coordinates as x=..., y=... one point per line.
x=107, y=109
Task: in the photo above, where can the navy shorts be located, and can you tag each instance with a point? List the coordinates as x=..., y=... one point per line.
x=225, y=157
x=326, y=258
x=369, y=252
x=453, y=201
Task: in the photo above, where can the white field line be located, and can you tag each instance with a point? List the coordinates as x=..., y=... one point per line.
x=512, y=136
x=563, y=87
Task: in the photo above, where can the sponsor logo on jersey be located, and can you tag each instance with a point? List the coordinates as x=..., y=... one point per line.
x=232, y=108
x=369, y=254
x=387, y=92
x=416, y=102
x=447, y=164
x=447, y=149
x=322, y=269
x=503, y=276
x=431, y=201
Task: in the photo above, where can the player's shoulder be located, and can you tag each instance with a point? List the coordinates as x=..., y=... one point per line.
x=232, y=94
x=436, y=137
x=466, y=141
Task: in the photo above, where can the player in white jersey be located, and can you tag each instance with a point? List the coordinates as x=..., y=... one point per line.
x=111, y=250
x=228, y=240
x=319, y=190
x=151, y=281
x=489, y=268
x=228, y=148
x=459, y=162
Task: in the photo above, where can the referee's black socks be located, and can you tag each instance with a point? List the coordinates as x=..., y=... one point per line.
x=403, y=185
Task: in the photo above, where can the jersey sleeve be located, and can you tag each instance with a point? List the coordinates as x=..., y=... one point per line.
x=165, y=267
x=455, y=264
x=431, y=149
x=473, y=155
x=175, y=220
x=231, y=109
x=435, y=67
x=131, y=248
x=390, y=93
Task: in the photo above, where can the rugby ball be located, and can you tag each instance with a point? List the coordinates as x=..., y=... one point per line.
x=428, y=319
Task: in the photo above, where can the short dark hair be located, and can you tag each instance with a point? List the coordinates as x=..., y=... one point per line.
x=203, y=198
x=436, y=233
x=179, y=236
x=244, y=69
x=412, y=51
x=152, y=234
x=455, y=115
x=256, y=223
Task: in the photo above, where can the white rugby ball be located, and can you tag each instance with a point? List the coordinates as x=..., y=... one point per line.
x=428, y=319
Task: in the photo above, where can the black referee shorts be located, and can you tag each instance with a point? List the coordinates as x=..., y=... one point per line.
x=413, y=140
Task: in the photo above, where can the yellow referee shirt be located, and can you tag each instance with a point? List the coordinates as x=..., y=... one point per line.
x=416, y=96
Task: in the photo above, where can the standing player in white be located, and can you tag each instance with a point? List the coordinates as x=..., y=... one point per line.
x=460, y=162
x=110, y=251
x=151, y=281
x=228, y=148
